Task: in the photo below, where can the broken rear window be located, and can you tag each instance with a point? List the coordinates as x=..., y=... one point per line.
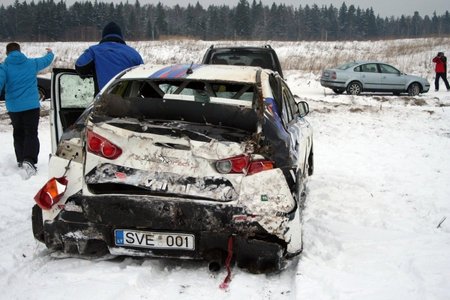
x=225, y=104
x=202, y=91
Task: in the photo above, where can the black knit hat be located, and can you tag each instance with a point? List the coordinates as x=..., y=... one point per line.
x=112, y=28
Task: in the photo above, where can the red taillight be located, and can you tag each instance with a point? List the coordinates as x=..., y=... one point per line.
x=94, y=142
x=100, y=146
x=51, y=192
x=242, y=164
x=258, y=166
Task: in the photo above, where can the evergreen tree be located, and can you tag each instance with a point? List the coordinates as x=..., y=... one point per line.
x=416, y=23
x=48, y=20
x=241, y=19
x=160, y=22
x=343, y=24
x=257, y=20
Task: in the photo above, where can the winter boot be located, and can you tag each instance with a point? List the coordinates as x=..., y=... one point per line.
x=29, y=168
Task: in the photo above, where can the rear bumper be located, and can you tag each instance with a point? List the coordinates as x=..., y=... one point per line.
x=332, y=84
x=87, y=227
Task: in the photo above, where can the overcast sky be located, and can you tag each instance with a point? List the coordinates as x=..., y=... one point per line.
x=384, y=8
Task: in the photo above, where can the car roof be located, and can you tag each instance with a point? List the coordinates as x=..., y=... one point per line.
x=245, y=74
x=370, y=62
x=265, y=47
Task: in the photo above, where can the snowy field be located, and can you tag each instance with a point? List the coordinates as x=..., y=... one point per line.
x=376, y=221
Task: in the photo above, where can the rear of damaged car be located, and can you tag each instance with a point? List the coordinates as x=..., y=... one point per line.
x=177, y=163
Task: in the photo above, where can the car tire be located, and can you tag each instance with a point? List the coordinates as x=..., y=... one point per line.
x=338, y=91
x=300, y=186
x=311, y=163
x=354, y=88
x=37, y=223
x=414, y=89
x=41, y=92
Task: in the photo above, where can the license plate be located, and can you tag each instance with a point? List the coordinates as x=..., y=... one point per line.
x=154, y=240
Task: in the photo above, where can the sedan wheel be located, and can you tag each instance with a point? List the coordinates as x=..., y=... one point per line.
x=354, y=88
x=414, y=89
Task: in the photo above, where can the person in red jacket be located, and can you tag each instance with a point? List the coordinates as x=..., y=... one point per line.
x=441, y=70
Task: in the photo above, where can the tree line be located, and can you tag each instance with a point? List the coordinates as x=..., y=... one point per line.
x=48, y=20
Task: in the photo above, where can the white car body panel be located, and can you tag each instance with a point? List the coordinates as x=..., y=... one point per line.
x=266, y=197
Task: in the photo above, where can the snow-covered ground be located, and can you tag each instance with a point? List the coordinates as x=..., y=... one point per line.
x=376, y=221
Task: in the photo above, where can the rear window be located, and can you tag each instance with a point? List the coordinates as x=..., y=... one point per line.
x=346, y=66
x=243, y=58
x=202, y=91
x=224, y=104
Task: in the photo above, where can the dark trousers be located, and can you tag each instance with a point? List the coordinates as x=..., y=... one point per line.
x=444, y=77
x=25, y=134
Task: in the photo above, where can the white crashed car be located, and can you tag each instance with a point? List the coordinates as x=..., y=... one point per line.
x=186, y=161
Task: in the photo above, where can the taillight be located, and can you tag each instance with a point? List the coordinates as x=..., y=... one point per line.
x=259, y=165
x=51, y=192
x=333, y=75
x=100, y=146
x=232, y=165
x=242, y=164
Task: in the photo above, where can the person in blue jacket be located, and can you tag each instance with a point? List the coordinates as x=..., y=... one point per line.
x=108, y=58
x=18, y=76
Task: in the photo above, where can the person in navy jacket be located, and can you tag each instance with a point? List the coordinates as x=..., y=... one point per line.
x=18, y=76
x=109, y=57
x=441, y=70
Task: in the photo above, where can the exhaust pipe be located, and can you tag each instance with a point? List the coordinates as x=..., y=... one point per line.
x=215, y=260
x=214, y=266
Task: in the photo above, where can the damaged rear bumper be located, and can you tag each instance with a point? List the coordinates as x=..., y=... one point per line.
x=86, y=226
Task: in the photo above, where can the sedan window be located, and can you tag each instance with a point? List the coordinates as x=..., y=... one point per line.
x=368, y=68
x=388, y=69
x=347, y=66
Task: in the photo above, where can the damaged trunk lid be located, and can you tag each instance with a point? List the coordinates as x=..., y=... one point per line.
x=167, y=146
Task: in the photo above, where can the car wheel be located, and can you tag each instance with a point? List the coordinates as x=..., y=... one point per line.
x=354, y=88
x=338, y=91
x=311, y=163
x=37, y=223
x=414, y=89
x=41, y=94
x=300, y=187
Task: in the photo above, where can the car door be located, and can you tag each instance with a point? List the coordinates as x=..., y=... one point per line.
x=392, y=79
x=70, y=96
x=369, y=76
x=299, y=129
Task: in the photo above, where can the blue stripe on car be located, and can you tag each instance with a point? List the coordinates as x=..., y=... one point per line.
x=175, y=71
x=272, y=111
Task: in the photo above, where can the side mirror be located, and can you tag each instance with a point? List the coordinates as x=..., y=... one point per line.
x=303, y=108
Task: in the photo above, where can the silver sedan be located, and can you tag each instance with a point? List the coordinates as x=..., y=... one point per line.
x=357, y=77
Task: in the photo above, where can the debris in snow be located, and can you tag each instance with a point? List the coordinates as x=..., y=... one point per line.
x=442, y=221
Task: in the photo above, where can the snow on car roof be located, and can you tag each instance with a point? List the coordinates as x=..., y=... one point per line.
x=244, y=74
